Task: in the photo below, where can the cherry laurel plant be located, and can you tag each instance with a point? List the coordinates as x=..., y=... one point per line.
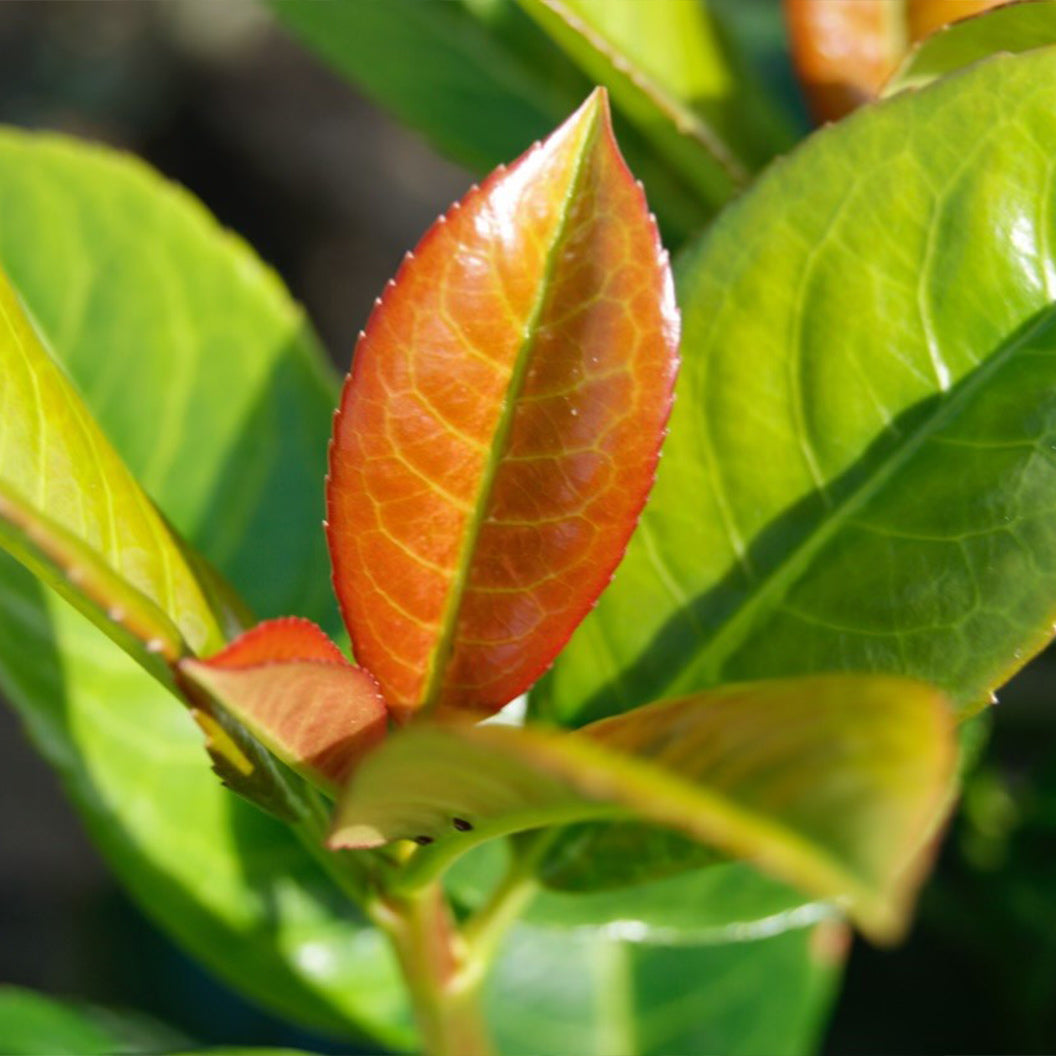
x=849, y=545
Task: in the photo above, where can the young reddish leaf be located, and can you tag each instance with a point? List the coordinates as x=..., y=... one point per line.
x=292, y=688
x=499, y=431
x=271, y=642
x=845, y=50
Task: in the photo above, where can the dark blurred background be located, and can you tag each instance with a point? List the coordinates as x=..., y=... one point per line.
x=332, y=194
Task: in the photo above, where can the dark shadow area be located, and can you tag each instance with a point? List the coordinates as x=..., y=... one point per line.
x=978, y=972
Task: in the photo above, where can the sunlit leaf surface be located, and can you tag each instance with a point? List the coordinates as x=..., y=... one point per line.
x=679, y=78
x=479, y=80
x=500, y=429
x=70, y=508
x=199, y=368
x=859, y=474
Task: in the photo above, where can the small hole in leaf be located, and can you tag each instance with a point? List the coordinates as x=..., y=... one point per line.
x=462, y=825
x=423, y=841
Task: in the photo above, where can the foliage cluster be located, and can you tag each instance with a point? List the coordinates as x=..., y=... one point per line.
x=748, y=736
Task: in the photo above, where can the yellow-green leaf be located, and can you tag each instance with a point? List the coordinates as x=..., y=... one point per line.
x=1015, y=28
x=833, y=783
x=71, y=510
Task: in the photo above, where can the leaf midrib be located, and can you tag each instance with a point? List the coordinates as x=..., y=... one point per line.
x=706, y=668
x=444, y=649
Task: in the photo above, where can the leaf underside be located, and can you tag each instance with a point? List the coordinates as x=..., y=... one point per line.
x=832, y=783
x=501, y=425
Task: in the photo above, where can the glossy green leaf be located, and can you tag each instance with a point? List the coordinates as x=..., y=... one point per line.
x=268, y=921
x=551, y=990
x=859, y=473
x=70, y=508
x=1015, y=28
x=74, y=515
x=832, y=783
x=201, y=370
x=32, y=1024
x=590, y=992
x=678, y=78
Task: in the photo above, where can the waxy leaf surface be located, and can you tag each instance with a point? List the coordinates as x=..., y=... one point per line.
x=70, y=509
x=291, y=687
x=675, y=73
x=1012, y=28
x=198, y=366
x=500, y=429
x=859, y=474
x=832, y=783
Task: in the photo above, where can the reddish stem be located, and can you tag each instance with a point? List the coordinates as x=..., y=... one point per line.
x=432, y=955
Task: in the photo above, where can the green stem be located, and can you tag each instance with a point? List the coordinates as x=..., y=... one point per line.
x=352, y=874
x=485, y=929
x=432, y=955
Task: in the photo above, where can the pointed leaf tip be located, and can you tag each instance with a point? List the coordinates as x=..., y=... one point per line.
x=500, y=428
x=294, y=690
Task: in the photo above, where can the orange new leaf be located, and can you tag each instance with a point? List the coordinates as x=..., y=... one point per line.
x=499, y=431
x=291, y=687
x=844, y=50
